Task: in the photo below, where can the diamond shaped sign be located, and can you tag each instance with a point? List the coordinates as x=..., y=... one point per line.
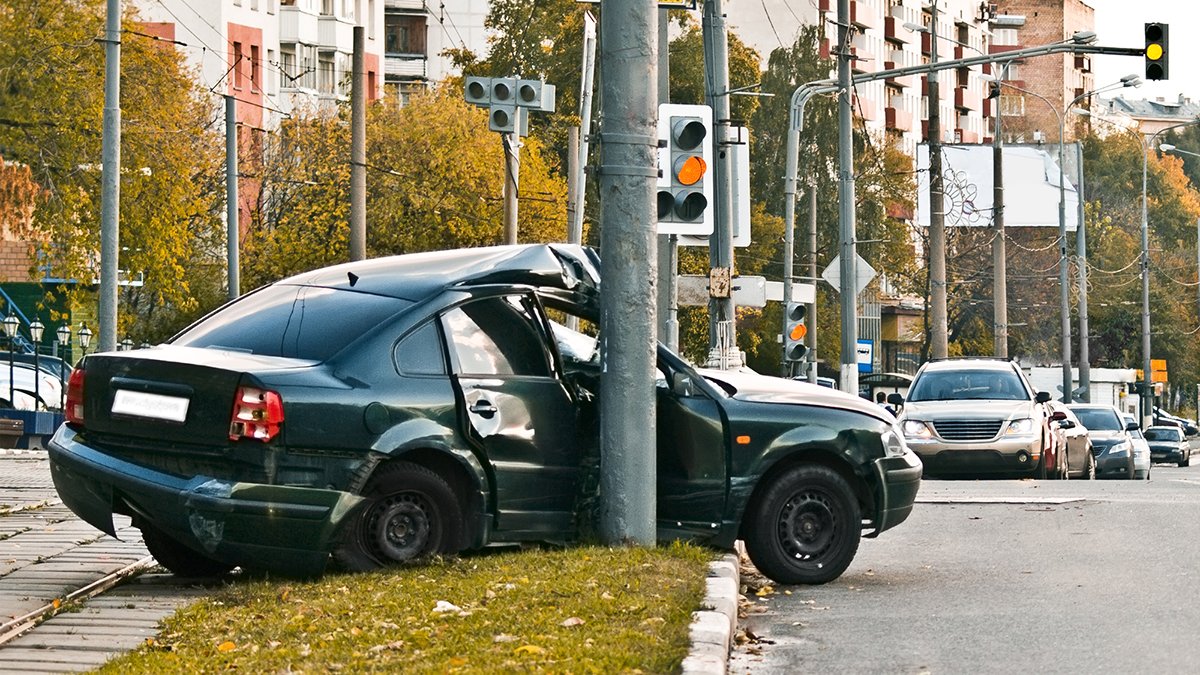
x=863, y=275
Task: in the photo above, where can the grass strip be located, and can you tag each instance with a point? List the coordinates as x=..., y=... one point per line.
x=576, y=610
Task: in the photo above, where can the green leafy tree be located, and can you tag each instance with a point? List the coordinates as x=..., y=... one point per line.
x=51, y=109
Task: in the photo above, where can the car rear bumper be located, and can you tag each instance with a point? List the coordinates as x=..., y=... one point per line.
x=287, y=529
x=899, y=481
x=995, y=457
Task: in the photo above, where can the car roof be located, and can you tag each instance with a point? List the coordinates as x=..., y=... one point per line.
x=415, y=276
x=974, y=363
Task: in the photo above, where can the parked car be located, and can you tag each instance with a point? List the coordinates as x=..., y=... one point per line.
x=386, y=410
x=43, y=390
x=976, y=416
x=1141, y=449
x=1073, y=448
x=1167, y=444
x=1111, y=442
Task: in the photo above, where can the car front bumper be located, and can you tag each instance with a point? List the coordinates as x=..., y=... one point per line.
x=286, y=529
x=1020, y=455
x=1113, y=466
x=899, y=481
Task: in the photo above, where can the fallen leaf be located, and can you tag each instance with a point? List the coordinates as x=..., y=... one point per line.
x=57, y=603
x=764, y=591
x=458, y=662
x=390, y=646
x=606, y=596
x=443, y=606
x=504, y=638
x=529, y=649
x=571, y=622
x=226, y=646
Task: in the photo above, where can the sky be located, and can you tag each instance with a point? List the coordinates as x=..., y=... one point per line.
x=1119, y=23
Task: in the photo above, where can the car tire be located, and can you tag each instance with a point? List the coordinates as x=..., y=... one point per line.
x=805, y=527
x=1064, y=465
x=1186, y=461
x=410, y=513
x=1130, y=472
x=1089, y=470
x=182, y=560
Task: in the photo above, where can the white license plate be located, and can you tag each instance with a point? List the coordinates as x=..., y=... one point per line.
x=154, y=406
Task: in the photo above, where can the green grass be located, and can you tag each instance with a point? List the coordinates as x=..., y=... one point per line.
x=579, y=610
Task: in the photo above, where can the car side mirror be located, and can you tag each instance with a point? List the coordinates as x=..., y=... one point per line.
x=681, y=384
x=1058, y=416
x=895, y=398
x=1132, y=426
x=1066, y=424
x=1042, y=397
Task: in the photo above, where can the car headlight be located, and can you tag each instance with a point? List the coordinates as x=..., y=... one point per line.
x=916, y=429
x=1023, y=426
x=893, y=444
x=1119, y=449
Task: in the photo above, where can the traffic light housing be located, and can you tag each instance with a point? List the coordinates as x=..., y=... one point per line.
x=1156, y=51
x=794, y=332
x=685, y=183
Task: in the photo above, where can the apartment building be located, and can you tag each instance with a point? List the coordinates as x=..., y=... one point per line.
x=417, y=33
x=1147, y=116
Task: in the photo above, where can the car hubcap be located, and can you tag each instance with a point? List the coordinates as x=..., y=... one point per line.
x=807, y=525
x=400, y=526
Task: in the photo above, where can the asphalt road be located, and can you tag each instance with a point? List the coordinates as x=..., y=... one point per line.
x=1005, y=577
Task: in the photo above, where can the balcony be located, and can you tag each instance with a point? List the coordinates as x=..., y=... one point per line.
x=414, y=5
x=965, y=136
x=824, y=51
x=966, y=99
x=865, y=107
x=297, y=26
x=826, y=6
x=893, y=29
x=864, y=61
x=335, y=35
x=398, y=68
x=1083, y=62
x=897, y=118
x=862, y=16
x=905, y=81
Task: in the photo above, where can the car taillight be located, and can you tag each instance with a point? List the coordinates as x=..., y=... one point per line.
x=74, y=404
x=257, y=414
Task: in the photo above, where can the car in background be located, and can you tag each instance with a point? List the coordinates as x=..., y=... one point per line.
x=1109, y=433
x=1141, y=449
x=1168, y=444
x=1073, y=449
x=976, y=416
x=389, y=410
x=40, y=389
x=1163, y=417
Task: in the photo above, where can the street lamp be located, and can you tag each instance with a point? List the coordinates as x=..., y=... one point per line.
x=64, y=339
x=1063, y=267
x=127, y=344
x=85, y=339
x=11, y=323
x=36, y=328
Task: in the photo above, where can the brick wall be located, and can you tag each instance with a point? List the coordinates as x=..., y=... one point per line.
x=16, y=259
x=1055, y=77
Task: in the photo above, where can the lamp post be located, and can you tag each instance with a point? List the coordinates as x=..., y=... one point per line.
x=64, y=339
x=11, y=323
x=85, y=339
x=1063, y=267
x=126, y=344
x=36, y=328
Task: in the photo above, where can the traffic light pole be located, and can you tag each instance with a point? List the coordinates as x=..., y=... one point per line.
x=722, y=339
x=847, y=248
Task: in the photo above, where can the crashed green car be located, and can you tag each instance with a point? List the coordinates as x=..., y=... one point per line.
x=382, y=411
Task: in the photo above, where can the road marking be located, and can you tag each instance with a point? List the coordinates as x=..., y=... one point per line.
x=998, y=500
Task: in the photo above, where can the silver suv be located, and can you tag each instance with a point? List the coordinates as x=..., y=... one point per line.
x=976, y=416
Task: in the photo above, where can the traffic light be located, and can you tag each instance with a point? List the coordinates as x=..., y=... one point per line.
x=509, y=101
x=1156, y=51
x=794, y=331
x=685, y=183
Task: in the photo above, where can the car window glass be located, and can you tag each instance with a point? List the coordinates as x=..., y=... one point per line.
x=420, y=353
x=953, y=385
x=1099, y=419
x=497, y=336
x=1153, y=434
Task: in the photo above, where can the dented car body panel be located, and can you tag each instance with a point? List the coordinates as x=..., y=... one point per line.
x=454, y=361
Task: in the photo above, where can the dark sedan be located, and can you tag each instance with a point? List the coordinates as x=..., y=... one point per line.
x=1168, y=444
x=383, y=411
x=1111, y=442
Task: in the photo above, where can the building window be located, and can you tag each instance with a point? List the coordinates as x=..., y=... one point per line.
x=239, y=77
x=255, y=69
x=270, y=74
x=1012, y=105
x=1005, y=37
x=405, y=34
x=326, y=76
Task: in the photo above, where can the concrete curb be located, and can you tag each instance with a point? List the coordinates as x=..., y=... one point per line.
x=713, y=627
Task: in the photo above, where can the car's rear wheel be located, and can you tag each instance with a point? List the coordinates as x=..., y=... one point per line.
x=1089, y=471
x=1129, y=471
x=410, y=513
x=181, y=560
x=805, y=527
x=1064, y=465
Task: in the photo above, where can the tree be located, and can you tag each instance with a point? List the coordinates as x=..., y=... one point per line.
x=51, y=67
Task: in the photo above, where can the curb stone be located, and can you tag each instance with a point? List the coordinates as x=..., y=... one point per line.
x=712, y=628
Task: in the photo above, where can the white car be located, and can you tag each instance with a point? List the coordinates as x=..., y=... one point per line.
x=1141, y=451
x=48, y=389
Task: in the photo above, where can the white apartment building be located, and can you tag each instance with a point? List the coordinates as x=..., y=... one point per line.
x=417, y=32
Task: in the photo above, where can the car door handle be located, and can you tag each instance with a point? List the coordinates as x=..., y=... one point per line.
x=483, y=408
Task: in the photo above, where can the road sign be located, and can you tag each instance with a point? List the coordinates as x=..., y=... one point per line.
x=865, y=353
x=863, y=276
x=806, y=293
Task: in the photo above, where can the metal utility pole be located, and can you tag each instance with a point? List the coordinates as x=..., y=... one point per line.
x=1085, y=369
x=512, y=173
x=999, y=243
x=811, y=338
x=587, y=79
x=722, y=340
x=668, y=244
x=358, y=149
x=938, y=317
x=110, y=178
x=628, y=211
x=846, y=216
x=233, y=228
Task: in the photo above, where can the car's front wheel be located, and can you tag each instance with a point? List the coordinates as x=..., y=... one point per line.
x=1089, y=470
x=180, y=559
x=805, y=527
x=410, y=513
